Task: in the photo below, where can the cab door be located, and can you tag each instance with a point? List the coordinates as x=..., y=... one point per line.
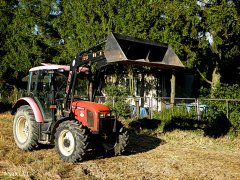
x=40, y=88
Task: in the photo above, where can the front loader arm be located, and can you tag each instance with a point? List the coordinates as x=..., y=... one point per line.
x=81, y=60
x=120, y=49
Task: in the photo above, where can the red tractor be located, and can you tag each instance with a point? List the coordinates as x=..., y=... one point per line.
x=59, y=109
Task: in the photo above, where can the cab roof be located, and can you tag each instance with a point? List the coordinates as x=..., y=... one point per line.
x=46, y=66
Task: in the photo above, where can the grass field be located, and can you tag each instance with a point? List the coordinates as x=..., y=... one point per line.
x=173, y=155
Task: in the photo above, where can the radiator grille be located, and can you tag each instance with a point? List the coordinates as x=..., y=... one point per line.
x=106, y=125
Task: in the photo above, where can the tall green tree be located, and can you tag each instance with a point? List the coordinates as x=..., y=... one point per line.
x=55, y=31
x=6, y=14
x=204, y=35
x=29, y=37
x=83, y=24
x=221, y=20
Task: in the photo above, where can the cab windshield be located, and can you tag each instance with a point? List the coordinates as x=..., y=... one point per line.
x=81, y=87
x=40, y=83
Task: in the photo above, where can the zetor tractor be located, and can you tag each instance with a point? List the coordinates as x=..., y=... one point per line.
x=58, y=108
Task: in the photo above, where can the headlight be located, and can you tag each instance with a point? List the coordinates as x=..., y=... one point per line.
x=108, y=115
x=105, y=114
x=101, y=115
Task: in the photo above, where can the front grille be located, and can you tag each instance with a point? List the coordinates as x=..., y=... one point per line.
x=106, y=125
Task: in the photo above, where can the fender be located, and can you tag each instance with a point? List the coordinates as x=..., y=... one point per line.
x=56, y=124
x=29, y=101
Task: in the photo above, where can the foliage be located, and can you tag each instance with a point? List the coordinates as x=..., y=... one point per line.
x=226, y=91
x=223, y=114
x=218, y=62
x=176, y=118
x=214, y=122
x=205, y=35
x=29, y=38
x=227, y=105
x=82, y=24
x=4, y=106
x=116, y=99
x=217, y=123
x=235, y=120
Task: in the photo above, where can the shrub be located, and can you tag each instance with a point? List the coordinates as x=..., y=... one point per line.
x=117, y=99
x=225, y=91
x=226, y=110
x=214, y=123
x=177, y=118
x=217, y=123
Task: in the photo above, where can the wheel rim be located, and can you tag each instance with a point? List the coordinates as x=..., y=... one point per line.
x=66, y=142
x=22, y=129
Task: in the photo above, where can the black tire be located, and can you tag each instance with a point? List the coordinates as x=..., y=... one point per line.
x=71, y=141
x=115, y=143
x=122, y=142
x=25, y=128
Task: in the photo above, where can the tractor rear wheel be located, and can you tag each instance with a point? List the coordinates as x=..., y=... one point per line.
x=71, y=141
x=25, y=128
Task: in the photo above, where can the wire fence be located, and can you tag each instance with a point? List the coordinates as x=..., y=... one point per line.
x=227, y=105
x=145, y=106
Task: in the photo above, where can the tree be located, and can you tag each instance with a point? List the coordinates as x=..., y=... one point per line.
x=29, y=38
x=188, y=25
x=55, y=31
x=221, y=20
x=83, y=24
x=6, y=13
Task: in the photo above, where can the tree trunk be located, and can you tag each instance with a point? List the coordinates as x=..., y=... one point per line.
x=216, y=77
x=173, y=85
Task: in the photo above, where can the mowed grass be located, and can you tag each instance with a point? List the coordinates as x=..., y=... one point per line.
x=151, y=155
x=38, y=164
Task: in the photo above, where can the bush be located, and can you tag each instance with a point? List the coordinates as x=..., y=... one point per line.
x=223, y=109
x=177, y=118
x=116, y=99
x=11, y=95
x=5, y=106
x=8, y=97
x=214, y=123
x=217, y=123
x=217, y=110
x=225, y=91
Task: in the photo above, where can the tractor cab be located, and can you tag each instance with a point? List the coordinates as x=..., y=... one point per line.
x=47, y=86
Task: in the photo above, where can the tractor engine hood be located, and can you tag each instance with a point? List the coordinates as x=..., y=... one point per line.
x=92, y=106
x=91, y=114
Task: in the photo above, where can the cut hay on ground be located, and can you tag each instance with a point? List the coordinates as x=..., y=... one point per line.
x=174, y=155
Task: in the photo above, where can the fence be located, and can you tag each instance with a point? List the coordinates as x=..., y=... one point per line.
x=145, y=106
x=227, y=104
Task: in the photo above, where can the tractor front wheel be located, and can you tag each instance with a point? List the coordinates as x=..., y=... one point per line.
x=122, y=143
x=71, y=141
x=25, y=128
x=115, y=143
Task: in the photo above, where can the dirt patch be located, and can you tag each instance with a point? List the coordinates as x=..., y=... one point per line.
x=173, y=155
